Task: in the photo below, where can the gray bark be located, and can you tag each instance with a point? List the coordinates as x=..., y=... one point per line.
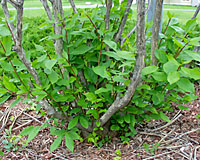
x=73, y=6
x=156, y=29
x=47, y=8
x=196, y=48
x=151, y=12
x=122, y=102
x=7, y=15
x=196, y=12
x=123, y=21
x=19, y=49
x=58, y=12
x=107, y=18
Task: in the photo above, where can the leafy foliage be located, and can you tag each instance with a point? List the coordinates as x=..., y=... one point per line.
x=86, y=79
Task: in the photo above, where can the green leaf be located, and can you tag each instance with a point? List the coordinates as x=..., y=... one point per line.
x=4, y=98
x=4, y=31
x=173, y=21
x=164, y=117
x=195, y=41
x=26, y=131
x=93, y=112
x=55, y=36
x=73, y=134
x=39, y=48
x=81, y=102
x=42, y=58
x=6, y=66
x=90, y=97
x=102, y=90
x=157, y=98
x=90, y=75
x=7, y=43
x=1, y=153
x=171, y=66
x=170, y=15
x=80, y=50
x=73, y=123
x=50, y=63
x=56, y=143
x=127, y=118
x=101, y=71
x=53, y=77
x=112, y=54
x=149, y=70
x=119, y=79
x=33, y=133
x=194, y=56
x=126, y=55
x=178, y=29
x=9, y=85
x=191, y=73
x=161, y=55
x=115, y=127
x=186, y=85
x=111, y=44
x=173, y=77
x=181, y=107
x=69, y=141
x=16, y=102
x=159, y=76
x=84, y=122
x=190, y=25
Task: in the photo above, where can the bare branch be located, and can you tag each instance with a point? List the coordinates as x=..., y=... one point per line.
x=120, y=103
x=107, y=16
x=155, y=30
x=128, y=35
x=7, y=14
x=73, y=6
x=58, y=11
x=15, y=3
x=132, y=31
x=47, y=8
x=196, y=12
x=123, y=21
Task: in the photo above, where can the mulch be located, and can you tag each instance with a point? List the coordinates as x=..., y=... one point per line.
x=178, y=140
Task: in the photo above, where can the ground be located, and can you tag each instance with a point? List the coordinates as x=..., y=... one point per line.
x=178, y=139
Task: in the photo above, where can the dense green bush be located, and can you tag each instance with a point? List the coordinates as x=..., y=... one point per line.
x=93, y=77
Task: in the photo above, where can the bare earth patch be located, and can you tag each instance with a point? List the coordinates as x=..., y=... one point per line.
x=178, y=139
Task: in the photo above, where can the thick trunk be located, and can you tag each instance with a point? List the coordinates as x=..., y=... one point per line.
x=156, y=29
x=123, y=21
x=122, y=102
x=20, y=51
x=107, y=18
x=73, y=6
x=58, y=12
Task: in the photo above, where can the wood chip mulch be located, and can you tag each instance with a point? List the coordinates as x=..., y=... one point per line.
x=178, y=140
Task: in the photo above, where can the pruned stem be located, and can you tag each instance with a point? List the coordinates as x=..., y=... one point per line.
x=95, y=29
x=122, y=102
x=118, y=35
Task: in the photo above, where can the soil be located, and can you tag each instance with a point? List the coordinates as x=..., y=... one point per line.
x=178, y=139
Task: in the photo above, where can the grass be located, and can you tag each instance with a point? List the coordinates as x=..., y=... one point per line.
x=182, y=15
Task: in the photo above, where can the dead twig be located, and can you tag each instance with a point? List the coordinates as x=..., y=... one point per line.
x=159, y=155
x=166, y=136
x=168, y=124
x=151, y=134
x=195, y=152
x=22, y=125
x=171, y=140
x=33, y=118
